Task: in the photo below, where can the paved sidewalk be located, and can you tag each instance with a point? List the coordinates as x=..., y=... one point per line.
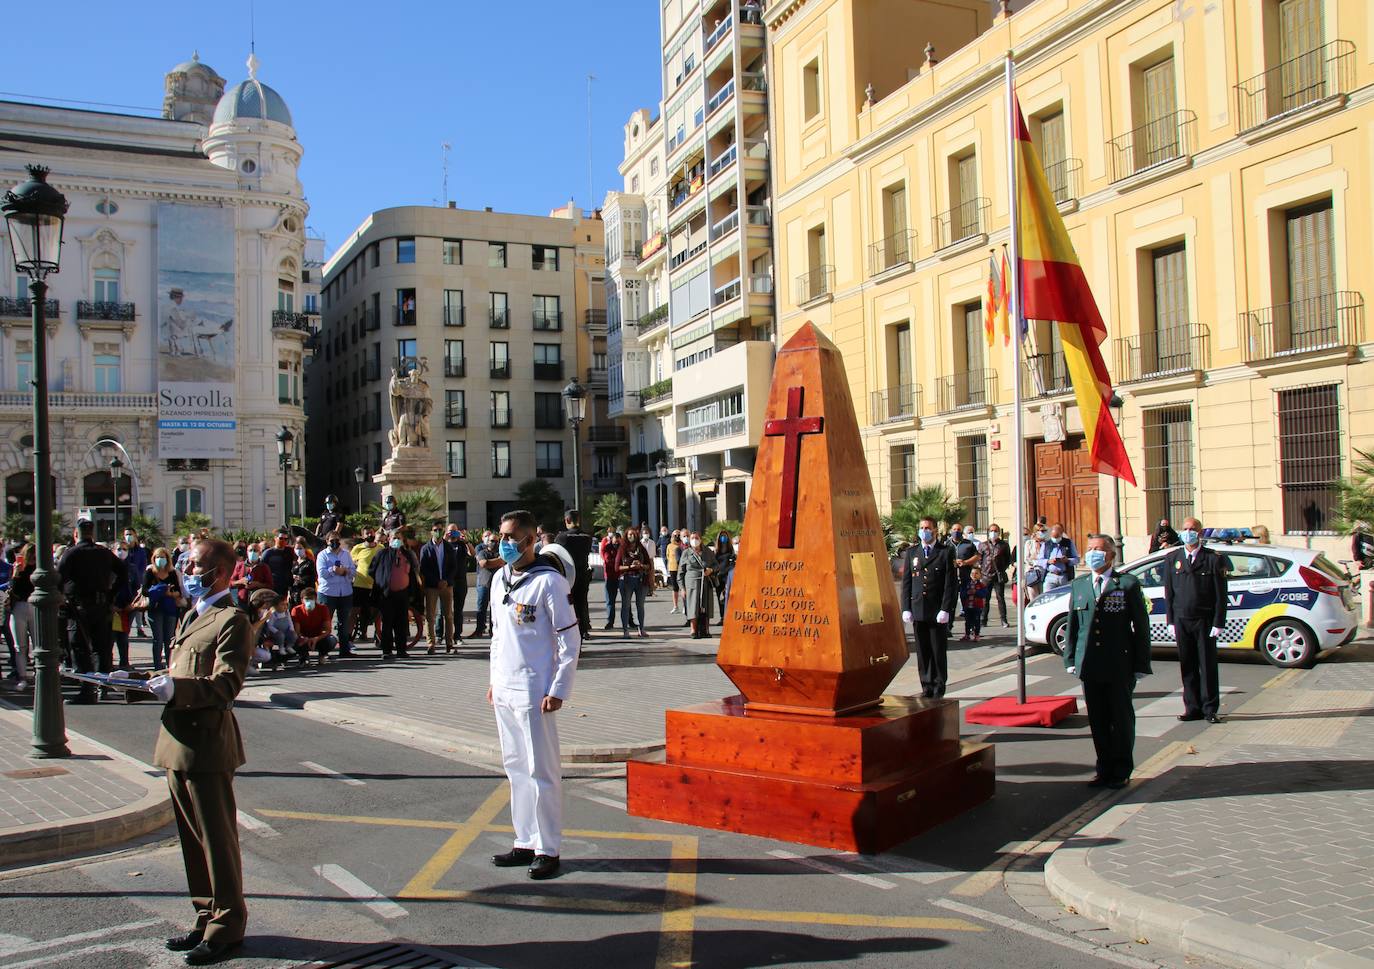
x=1256, y=847
x=55, y=808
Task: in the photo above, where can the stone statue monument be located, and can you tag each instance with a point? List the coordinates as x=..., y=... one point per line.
x=412, y=464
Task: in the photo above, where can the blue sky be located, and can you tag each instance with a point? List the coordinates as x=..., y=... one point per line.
x=375, y=89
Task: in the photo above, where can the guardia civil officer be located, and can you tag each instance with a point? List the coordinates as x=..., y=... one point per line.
x=1195, y=599
x=200, y=748
x=1107, y=646
x=930, y=585
x=534, y=646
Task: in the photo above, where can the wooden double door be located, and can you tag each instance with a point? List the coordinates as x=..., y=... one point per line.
x=1065, y=486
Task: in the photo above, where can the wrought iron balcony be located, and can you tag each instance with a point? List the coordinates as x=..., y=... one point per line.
x=455, y=368
x=498, y=319
x=1160, y=353
x=815, y=284
x=606, y=434
x=899, y=403
x=500, y=371
x=964, y=221
x=286, y=320
x=1311, y=78
x=455, y=316
x=548, y=471
x=972, y=388
x=545, y=320
x=1156, y=142
x=1046, y=374
x=371, y=320
x=592, y=319
x=88, y=309
x=1064, y=179
x=500, y=417
x=608, y=482
x=548, y=371
x=455, y=417
x=373, y=370
x=22, y=306
x=896, y=250
x=1331, y=321
x=403, y=316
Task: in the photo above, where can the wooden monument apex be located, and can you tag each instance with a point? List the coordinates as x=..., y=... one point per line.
x=811, y=751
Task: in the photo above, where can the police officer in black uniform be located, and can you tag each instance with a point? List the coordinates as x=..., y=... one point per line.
x=331, y=521
x=392, y=517
x=930, y=585
x=1195, y=595
x=579, y=546
x=90, y=576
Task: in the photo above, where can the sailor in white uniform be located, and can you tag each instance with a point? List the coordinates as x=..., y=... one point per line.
x=534, y=645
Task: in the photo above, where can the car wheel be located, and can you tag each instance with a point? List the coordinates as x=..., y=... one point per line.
x=1287, y=644
x=1057, y=635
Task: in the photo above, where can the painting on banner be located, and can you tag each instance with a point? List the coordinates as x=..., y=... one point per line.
x=195, y=333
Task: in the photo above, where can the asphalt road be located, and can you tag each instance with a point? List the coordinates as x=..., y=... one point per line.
x=350, y=838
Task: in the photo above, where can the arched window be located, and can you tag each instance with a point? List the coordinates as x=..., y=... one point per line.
x=19, y=496
x=286, y=286
x=188, y=501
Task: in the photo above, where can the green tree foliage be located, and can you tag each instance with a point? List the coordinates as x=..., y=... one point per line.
x=17, y=527
x=356, y=521
x=149, y=531
x=928, y=501
x=543, y=501
x=422, y=507
x=611, y=511
x=193, y=521
x=1355, y=501
x=729, y=526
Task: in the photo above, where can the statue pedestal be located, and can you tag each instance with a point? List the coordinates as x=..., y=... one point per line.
x=410, y=469
x=863, y=782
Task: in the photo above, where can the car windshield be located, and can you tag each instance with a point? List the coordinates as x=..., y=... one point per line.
x=1149, y=573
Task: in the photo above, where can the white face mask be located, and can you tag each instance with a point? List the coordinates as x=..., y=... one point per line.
x=994, y=536
x=696, y=542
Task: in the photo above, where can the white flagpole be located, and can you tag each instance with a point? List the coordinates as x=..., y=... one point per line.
x=1018, y=438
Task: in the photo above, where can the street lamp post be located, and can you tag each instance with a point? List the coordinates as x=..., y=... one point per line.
x=34, y=215
x=1119, y=407
x=284, y=439
x=359, y=476
x=661, y=508
x=115, y=466
x=575, y=397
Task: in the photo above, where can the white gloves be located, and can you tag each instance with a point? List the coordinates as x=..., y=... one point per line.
x=1073, y=670
x=162, y=687
x=119, y=675
x=1216, y=632
x=1173, y=633
x=906, y=618
x=942, y=616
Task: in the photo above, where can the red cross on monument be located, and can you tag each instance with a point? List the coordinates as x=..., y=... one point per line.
x=791, y=427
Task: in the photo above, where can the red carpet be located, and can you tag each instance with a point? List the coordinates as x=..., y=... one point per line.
x=1037, y=711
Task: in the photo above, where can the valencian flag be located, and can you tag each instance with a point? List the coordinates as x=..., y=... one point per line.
x=1054, y=287
x=992, y=303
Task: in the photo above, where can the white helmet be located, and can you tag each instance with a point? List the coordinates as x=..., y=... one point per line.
x=561, y=560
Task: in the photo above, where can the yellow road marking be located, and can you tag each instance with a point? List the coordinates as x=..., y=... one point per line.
x=461, y=839
x=838, y=918
x=1280, y=679
x=362, y=819
x=677, y=924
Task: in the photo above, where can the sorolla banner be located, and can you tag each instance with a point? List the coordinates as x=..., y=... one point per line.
x=195, y=332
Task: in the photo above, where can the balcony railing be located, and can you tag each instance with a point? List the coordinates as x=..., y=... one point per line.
x=23, y=400
x=548, y=371
x=720, y=97
x=500, y=417
x=1160, y=353
x=754, y=81
x=455, y=368
x=606, y=434
x=972, y=388
x=1156, y=142
x=373, y=421
x=653, y=319
x=722, y=161
x=713, y=431
x=89, y=309
x=815, y=284
x=899, y=403
x=596, y=375
x=1331, y=321
x=608, y=482
x=286, y=320
x=403, y=316
x=761, y=283
x=725, y=226
x=500, y=371
x=715, y=36
x=964, y=221
x=498, y=319
x=652, y=245
x=759, y=215
x=593, y=318
x=1064, y=179
x=22, y=306
x=895, y=250
x=372, y=370
x=545, y=320
x=371, y=321
x=455, y=316
x=687, y=189
x=549, y=471
x=1047, y=374
x=723, y=294
x=1323, y=72
x=656, y=391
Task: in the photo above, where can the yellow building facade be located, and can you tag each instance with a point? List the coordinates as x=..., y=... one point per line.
x=1212, y=161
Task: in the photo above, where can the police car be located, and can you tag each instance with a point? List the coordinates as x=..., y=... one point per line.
x=1289, y=603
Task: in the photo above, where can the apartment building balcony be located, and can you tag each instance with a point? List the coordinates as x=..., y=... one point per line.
x=21, y=400
x=653, y=320
x=1321, y=76
x=21, y=307
x=1065, y=180
x=1169, y=352
x=104, y=311
x=1329, y=323
x=722, y=162
x=815, y=285
x=681, y=258
x=624, y=404
x=721, y=98
x=761, y=284
x=724, y=294
x=652, y=247
x=597, y=377
x=372, y=370
x=607, y=482
x=455, y=316
x=723, y=30
x=1154, y=144
x=500, y=371
x=967, y=390
x=1045, y=375
x=455, y=368
x=403, y=316
x=594, y=322
x=548, y=371
x=370, y=321
x=896, y=250
x=605, y=434
x=456, y=417
x=745, y=367
x=725, y=226
x=964, y=225
x=712, y=432
x=684, y=192
x=657, y=394
x=297, y=322
x=547, y=320
x=498, y=319
x=500, y=417
x=896, y=404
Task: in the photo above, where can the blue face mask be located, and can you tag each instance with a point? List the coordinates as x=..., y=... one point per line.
x=395, y=543
x=195, y=585
x=1095, y=559
x=510, y=552
x=927, y=534
x=309, y=604
x=1189, y=536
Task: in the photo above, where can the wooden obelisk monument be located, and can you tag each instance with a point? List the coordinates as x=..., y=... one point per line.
x=812, y=751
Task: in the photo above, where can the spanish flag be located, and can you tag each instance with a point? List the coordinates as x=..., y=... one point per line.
x=1053, y=287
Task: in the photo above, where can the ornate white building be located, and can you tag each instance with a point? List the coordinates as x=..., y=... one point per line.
x=149, y=302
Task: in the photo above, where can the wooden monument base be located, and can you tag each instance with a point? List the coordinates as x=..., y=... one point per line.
x=864, y=782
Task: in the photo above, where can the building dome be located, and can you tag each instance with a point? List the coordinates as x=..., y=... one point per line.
x=194, y=66
x=251, y=100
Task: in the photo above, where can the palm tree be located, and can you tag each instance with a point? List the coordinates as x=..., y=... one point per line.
x=927, y=501
x=1355, y=504
x=422, y=506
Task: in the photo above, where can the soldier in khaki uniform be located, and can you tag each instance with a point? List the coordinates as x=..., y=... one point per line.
x=200, y=747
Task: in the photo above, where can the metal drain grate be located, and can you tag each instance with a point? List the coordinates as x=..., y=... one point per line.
x=394, y=955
